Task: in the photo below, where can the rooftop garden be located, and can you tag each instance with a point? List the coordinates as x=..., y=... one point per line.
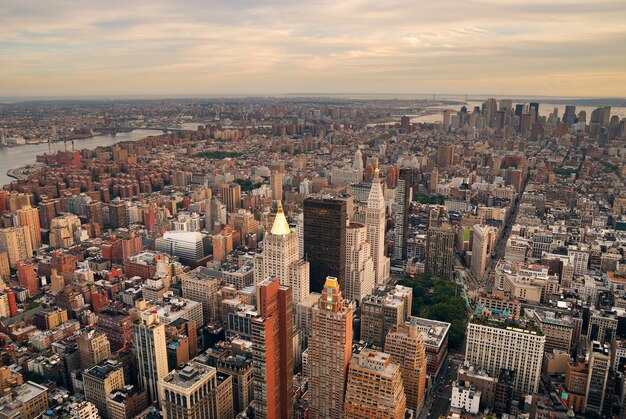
x=505, y=324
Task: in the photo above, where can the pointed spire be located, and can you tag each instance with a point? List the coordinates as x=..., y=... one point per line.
x=280, y=226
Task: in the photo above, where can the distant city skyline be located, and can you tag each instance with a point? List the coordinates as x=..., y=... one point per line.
x=567, y=48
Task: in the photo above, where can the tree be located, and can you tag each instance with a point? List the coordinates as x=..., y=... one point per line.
x=439, y=299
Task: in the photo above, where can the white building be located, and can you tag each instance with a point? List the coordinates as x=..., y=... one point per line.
x=360, y=277
x=184, y=244
x=281, y=258
x=465, y=398
x=492, y=345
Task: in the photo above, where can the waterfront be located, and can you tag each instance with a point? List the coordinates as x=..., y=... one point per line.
x=14, y=157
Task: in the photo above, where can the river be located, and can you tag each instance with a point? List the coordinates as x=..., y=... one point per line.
x=13, y=157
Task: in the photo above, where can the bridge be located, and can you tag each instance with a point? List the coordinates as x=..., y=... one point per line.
x=164, y=129
x=114, y=130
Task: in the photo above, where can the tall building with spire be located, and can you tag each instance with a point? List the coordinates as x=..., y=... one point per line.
x=281, y=258
x=375, y=222
x=329, y=352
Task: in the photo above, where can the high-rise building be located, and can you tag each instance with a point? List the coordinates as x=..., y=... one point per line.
x=447, y=116
x=15, y=241
x=569, y=117
x=357, y=163
x=405, y=124
x=445, y=156
x=47, y=211
x=118, y=214
x=99, y=381
x=325, y=223
x=329, y=352
x=599, y=366
x=93, y=347
x=5, y=268
x=483, y=240
x=407, y=349
x=433, y=181
x=375, y=221
x=198, y=285
x=534, y=111
x=401, y=214
x=280, y=258
x=231, y=196
x=276, y=185
x=27, y=277
x=439, y=251
x=189, y=393
x=360, y=278
x=492, y=346
x=149, y=339
x=374, y=387
x=117, y=326
x=383, y=311
x=64, y=230
x=125, y=403
x=272, y=351
x=28, y=216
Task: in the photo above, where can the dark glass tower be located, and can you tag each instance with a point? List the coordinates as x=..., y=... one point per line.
x=325, y=222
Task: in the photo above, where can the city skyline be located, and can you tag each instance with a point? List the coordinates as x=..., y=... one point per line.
x=478, y=47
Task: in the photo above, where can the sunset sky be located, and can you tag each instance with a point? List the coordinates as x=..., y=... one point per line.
x=151, y=47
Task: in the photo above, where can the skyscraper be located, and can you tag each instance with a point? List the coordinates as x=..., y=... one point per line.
x=16, y=242
x=599, y=366
x=329, y=351
x=401, y=213
x=360, y=277
x=325, y=224
x=374, y=387
x=491, y=346
x=276, y=185
x=231, y=196
x=439, y=251
x=149, y=339
x=383, y=311
x=484, y=238
x=569, y=117
x=189, y=393
x=281, y=258
x=445, y=155
x=407, y=349
x=27, y=277
x=93, y=347
x=118, y=214
x=99, y=381
x=272, y=351
x=28, y=216
x=375, y=222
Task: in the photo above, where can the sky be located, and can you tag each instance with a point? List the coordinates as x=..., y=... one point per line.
x=192, y=47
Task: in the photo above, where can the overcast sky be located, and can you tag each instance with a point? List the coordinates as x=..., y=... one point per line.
x=178, y=47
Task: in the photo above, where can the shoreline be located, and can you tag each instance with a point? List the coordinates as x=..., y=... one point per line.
x=18, y=172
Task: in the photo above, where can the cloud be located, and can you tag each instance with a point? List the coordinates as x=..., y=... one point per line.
x=61, y=47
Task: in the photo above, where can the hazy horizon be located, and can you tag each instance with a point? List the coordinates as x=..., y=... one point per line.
x=136, y=48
